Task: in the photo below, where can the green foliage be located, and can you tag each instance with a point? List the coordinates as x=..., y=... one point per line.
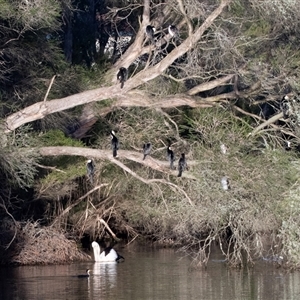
x=92, y=78
x=36, y=14
x=58, y=138
x=258, y=29
x=70, y=169
x=18, y=160
x=289, y=233
x=6, y=9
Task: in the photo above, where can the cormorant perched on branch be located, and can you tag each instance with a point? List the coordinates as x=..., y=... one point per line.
x=171, y=157
x=147, y=149
x=150, y=30
x=122, y=76
x=225, y=183
x=173, y=31
x=114, y=143
x=284, y=105
x=182, y=165
x=90, y=170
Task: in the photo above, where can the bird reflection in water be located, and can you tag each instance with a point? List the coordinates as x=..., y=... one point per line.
x=104, y=275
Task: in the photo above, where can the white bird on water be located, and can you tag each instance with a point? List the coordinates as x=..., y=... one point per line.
x=107, y=255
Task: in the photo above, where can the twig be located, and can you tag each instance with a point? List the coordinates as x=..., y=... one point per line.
x=266, y=123
x=49, y=88
x=79, y=200
x=108, y=228
x=15, y=233
x=188, y=22
x=49, y=168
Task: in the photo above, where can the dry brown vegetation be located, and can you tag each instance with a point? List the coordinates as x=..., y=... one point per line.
x=29, y=244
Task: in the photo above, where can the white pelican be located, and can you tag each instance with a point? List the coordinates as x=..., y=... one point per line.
x=107, y=255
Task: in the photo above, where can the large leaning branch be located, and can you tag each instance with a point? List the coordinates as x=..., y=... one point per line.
x=150, y=162
x=155, y=164
x=41, y=109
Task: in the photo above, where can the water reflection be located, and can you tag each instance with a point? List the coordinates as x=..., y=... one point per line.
x=104, y=276
x=146, y=274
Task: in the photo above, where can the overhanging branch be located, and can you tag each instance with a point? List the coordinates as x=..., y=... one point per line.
x=41, y=109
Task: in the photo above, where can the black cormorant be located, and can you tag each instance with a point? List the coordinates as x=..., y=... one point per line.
x=85, y=275
x=150, y=30
x=114, y=143
x=173, y=31
x=171, y=157
x=182, y=165
x=147, y=149
x=122, y=76
x=284, y=105
x=90, y=169
x=288, y=146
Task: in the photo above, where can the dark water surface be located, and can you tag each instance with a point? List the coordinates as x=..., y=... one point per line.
x=153, y=274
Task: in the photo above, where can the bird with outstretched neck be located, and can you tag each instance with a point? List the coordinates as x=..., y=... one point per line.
x=114, y=143
x=107, y=255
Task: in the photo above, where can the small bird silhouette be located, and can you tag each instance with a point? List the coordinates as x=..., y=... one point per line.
x=122, y=76
x=150, y=30
x=171, y=157
x=114, y=143
x=182, y=165
x=90, y=170
x=147, y=149
x=173, y=31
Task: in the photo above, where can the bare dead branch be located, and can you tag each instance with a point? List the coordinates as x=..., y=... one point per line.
x=49, y=168
x=130, y=155
x=108, y=228
x=266, y=123
x=65, y=211
x=210, y=85
x=15, y=232
x=187, y=20
x=49, y=88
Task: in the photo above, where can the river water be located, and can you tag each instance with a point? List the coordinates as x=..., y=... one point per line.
x=148, y=274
